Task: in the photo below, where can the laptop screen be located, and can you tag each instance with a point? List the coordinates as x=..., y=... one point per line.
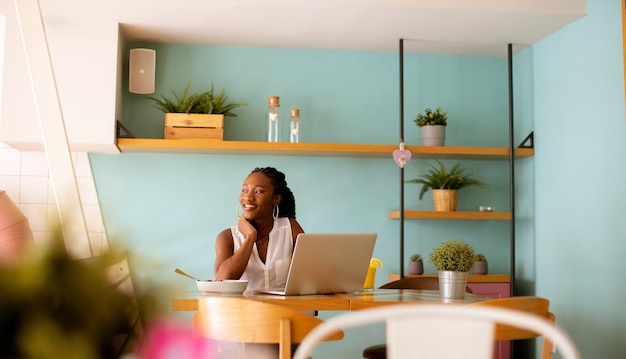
x=325, y=263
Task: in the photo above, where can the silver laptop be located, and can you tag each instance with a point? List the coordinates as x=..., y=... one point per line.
x=324, y=263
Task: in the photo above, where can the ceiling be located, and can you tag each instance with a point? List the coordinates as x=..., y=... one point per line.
x=473, y=27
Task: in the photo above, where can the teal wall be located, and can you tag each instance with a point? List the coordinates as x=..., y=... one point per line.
x=166, y=209
x=170, y=207
x=580, y=175
x=344, y=96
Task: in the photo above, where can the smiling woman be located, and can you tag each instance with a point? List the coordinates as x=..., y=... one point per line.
x=259, y=247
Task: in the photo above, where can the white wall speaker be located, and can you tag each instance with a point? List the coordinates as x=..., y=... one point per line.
x=141, y=71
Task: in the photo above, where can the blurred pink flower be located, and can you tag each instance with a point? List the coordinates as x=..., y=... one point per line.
x=170, y=339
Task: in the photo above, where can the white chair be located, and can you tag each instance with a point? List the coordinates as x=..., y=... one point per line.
x=440, y=331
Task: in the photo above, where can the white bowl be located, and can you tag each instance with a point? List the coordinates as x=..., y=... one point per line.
x=222, y=286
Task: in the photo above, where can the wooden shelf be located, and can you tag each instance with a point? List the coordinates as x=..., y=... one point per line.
x=312, y=149
x=501, y=216
x=471, y=278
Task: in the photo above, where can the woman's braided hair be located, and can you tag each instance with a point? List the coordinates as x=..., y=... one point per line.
x=287, y=206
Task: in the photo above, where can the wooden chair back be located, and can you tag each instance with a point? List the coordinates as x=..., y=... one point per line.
x=251, y=321
x=533, y=305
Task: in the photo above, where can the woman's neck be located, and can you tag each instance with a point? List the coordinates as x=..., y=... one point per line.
x=263, y=228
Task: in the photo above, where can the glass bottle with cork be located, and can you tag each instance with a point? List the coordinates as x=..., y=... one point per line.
x=294, y=133
x=273, y=128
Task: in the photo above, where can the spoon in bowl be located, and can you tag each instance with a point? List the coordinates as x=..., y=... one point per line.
x=185, y=274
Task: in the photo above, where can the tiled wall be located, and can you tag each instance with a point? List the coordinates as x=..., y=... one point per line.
x=25, y=178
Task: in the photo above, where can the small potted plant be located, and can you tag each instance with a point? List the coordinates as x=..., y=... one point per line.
x=195, y=115
x=480, y=264
x=453, y=260
x=445, y=185
x=416, y=265
x=209, y=102
x=433, y=125
x=204, y=103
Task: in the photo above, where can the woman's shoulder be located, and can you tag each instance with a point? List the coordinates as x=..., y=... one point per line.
x=226, y=234
x=288, y=223
x=295, y=228
x=293, y=222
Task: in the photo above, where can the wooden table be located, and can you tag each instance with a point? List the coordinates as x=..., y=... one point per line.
x=343, y=301
x=381, y=297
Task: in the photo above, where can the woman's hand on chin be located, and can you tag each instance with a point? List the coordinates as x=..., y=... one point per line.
x=246, y=228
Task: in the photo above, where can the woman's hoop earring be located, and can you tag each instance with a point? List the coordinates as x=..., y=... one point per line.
x=237, y=210
x=275, y=213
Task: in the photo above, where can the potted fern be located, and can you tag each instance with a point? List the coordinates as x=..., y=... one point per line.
x=445, y=185
x=453, y=260
x=195, y=115
x=480, y=264
x=433, y=125
x=416, y=265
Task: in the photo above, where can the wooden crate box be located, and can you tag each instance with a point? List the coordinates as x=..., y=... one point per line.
x=194, y=125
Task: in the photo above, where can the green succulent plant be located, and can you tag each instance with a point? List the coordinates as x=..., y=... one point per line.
x=438, y=177
x=205, y=102
x=183, y=103
x=479, y=257
x=209, y=102
x=415, y=257
x=430, y=118
x=454, y=255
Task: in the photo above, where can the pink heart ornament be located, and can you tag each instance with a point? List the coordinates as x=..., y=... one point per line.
x=402, y=157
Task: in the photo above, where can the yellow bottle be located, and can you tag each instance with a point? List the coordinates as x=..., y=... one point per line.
x=371, y=274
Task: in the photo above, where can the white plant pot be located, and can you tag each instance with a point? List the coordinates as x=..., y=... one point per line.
x=433, y=135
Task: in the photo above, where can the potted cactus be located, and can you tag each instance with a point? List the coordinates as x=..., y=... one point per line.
x=480, y=264
x=416, y=265
x=433, y=125
x=453, y=260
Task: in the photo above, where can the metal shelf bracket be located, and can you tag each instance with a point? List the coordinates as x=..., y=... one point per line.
x=528, y=141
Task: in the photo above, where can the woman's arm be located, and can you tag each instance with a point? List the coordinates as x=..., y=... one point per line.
x=230, y=264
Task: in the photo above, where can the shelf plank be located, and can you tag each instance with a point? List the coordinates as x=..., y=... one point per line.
x=254, y=148
x=471, y=278
x=502, y=216
x=467, y=153
x=206, y=146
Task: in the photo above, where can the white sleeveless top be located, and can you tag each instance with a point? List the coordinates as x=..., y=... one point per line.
x=272, y=273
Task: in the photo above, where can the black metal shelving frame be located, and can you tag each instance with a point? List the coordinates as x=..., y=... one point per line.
x=510, y=159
